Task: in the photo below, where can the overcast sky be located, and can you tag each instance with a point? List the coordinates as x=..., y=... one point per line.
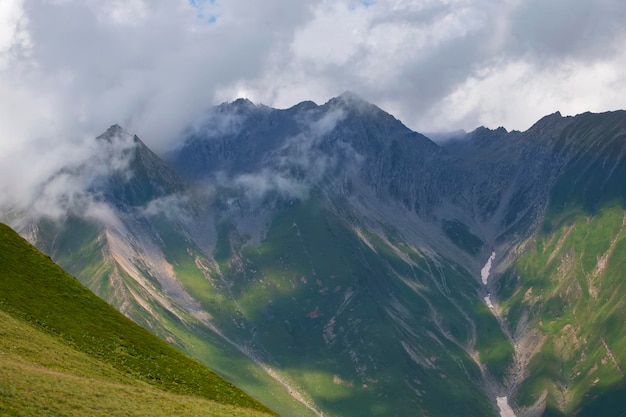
x=71, y=68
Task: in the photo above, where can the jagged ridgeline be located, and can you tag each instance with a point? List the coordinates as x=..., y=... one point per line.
x=64, y=351
x=327, y=259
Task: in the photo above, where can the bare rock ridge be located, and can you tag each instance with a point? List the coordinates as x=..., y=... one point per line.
x=145, y=178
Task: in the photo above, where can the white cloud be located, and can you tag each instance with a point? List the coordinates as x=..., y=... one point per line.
x=129, y=12
x=174, y=206
x=413, y=58
x=530, y=90
x=12, y=29
x=54, y=177
x=71, y=68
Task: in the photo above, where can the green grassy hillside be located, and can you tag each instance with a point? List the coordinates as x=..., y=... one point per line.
x=64, y=351
x=570, y=286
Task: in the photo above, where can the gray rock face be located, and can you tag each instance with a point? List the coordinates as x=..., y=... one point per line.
x=496, y=182
x=508, y=176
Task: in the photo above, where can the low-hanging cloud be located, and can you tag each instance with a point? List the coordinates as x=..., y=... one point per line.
x=174, y=206
x=299, y=163
x=64, y=179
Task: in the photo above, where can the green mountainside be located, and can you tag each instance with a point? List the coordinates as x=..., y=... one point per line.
x=64, y=351
x=185, y=305
x=331, y=262
x=566, y=295
x=563, y=296
x=305, y=300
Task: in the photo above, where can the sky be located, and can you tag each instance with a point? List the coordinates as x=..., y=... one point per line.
x=71, y=68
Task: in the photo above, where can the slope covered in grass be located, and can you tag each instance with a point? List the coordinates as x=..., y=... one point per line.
x=569, y=286
x=65, y=351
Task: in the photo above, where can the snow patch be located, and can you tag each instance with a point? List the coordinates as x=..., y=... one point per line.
x=484, y=276
x=484, y=273
x=505, y=408
x=503, y=402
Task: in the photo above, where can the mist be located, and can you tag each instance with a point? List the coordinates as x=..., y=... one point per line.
x=298, y=164
x=65, y=179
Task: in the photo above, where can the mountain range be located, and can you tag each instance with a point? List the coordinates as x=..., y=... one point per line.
x=330, y=261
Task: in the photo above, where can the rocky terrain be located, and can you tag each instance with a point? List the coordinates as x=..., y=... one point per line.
x=327, y=259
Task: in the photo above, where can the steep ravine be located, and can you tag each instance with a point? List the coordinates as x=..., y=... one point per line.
x=501, y=401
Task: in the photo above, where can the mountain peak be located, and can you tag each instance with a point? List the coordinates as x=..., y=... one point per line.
x=551, y=117
x=350, y=95
x=239, y=106
x=351, y=99
x=304, y=105
x=113, y=131
x=352, y=102
x=550, y=122
x=243, y=102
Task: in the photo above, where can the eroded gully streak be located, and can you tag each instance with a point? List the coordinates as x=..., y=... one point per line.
x=503, y=402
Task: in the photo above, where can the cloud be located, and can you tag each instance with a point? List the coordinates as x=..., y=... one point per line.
x=258, y=184
x=530, y=89
x=155, y=66
x=411, y=57
x=71, y=68
x=173, y=206
x=64, y=178
x=149, y=66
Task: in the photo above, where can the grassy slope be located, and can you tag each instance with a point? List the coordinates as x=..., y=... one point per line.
x=78, y=247
x=204, y=285
x=571, y=283
x=71, y=353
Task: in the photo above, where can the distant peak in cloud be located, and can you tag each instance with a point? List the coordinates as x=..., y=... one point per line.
x=349, y=99
x=352, y=102
x=239, y=106
x=304, y=106
x=350, y=96
x=244, y=102
x=113, y=130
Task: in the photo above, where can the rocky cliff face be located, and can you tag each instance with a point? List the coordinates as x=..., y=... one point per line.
x=327, y=258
